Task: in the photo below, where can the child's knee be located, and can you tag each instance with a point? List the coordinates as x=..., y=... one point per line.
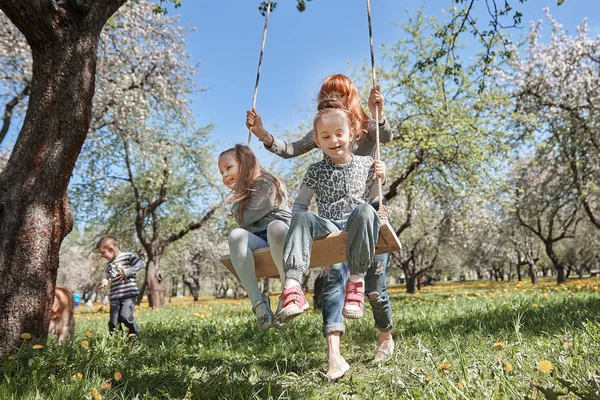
x=373, y=296
x=237, y=235
x=301, y=218
x=277, y=230
x=377, y=299
x=366, y=211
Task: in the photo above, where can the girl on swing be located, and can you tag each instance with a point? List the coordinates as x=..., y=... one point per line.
x=260, y=207
x=336, y=275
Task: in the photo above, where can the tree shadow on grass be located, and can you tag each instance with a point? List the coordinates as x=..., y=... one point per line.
x=235, y=361
x=216, y=377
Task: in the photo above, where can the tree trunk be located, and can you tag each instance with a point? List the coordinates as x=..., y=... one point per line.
x=192, y=282
x=318, y=291
x=519, y=274
x=174, y=284
x=560, y=275
x=304, y=284
x=533, y=272
x=156, y=284
x=34, y=210
x=140, y=297
x=265, y=285
x=411, y=284
x=558, y=265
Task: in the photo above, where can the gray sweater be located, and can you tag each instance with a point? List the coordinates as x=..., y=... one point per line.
x=365, y=146
x=261, y=209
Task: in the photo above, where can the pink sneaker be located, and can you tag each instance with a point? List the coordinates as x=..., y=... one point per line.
x=293, y=304
x=354, y=303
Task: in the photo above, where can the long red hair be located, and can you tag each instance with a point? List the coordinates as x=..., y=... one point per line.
x=339, y=85
x=249, y=171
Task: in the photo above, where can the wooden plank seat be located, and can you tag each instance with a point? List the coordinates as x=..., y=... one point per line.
x=327, y=250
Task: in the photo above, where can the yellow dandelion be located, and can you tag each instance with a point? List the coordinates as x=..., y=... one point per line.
x=85, y=344
x=89, y=334
x=499, y=345
x=459, y=384
x=443, y=367
x=534, y=305
x=77, y=377
x=427, y=378
x=38, y=346
x=118, y=376
x=58, y=363
x=25, y=336
x=568, y=345
x=509, y=368
x=106, y=386
x=12, y=357
x=96, y=395
x=545, y=366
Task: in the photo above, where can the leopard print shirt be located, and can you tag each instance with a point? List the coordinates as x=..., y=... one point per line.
x=339, y=188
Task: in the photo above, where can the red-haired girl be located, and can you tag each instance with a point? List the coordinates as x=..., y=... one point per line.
x=335, y=86
x=260, y=207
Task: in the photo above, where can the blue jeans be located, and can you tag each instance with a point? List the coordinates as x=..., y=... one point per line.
x=334, y=291
x=363, y=231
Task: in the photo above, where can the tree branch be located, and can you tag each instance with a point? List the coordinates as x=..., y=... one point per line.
x=393, y=191
x=9, y=109
x=191, y=226
x=33, y=18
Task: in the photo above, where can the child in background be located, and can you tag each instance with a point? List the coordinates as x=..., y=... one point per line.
x=260, y=207
x=120, y=273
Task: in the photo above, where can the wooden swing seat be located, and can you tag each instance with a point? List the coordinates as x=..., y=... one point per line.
x=330, y=249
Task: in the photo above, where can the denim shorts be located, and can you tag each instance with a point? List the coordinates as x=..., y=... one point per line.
x=261, y=234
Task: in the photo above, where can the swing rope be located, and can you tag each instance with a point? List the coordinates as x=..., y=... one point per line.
x=262, y=50
x=383, y=210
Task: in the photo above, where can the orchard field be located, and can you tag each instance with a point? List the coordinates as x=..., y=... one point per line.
x=469, y=340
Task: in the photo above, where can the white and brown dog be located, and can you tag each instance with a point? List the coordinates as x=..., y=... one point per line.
x=62, y=319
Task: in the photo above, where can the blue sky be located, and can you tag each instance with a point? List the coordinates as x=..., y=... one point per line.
x=301, y=50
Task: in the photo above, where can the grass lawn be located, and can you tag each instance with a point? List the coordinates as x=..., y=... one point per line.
x=469, y=340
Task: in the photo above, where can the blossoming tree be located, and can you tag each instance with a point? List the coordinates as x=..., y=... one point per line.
x=557, y=83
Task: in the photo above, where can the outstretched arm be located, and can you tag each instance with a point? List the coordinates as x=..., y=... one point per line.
x=276, y=146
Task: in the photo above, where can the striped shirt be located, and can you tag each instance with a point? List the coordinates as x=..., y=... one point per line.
x=129, y=263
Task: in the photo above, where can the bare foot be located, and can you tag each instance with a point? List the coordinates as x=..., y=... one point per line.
x=337, y=367
x=385, y=350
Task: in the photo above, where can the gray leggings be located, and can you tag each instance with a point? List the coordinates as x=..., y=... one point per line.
x=363, y=231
